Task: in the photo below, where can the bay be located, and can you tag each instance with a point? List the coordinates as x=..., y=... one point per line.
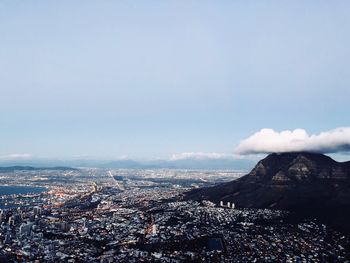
x=10, y=189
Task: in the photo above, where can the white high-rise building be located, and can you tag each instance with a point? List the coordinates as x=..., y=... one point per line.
x=24, y=229
x=11, y=221
x=228, y=204
x=221, y=203
x=154, y=229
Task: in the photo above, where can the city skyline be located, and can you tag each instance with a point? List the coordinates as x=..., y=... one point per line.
x=174, y=131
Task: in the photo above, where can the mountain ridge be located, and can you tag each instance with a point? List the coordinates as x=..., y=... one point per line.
x=302, y=182
x=7, y=169
x=190, y=163
x=292, y=169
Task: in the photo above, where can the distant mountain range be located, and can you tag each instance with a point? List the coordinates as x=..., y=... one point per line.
x=215, y=164
x=208, y=164
x=307, y=183
x=10, y=169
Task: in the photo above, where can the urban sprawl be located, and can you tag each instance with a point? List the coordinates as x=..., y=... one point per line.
x=130, y=215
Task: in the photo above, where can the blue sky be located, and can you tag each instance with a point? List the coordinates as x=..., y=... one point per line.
x=149, y=79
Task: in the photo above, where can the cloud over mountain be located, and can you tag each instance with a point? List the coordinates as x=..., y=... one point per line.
x=269, y=140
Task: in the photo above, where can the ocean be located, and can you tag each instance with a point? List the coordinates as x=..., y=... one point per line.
x=9, y=190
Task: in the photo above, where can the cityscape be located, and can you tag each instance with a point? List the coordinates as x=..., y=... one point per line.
x=174, y=131
x=131, y=215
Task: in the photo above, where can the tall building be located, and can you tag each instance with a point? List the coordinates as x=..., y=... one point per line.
x=11, y=221
x=154, y=229
x=37, y=210
x=25, y=229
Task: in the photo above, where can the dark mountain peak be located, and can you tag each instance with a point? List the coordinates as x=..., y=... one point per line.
x=299, y=181
x=289, y=157
x=296, y=166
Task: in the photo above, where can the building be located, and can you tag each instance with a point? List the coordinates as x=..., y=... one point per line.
x=154, y=229
x=25, y=229
x=37, y=210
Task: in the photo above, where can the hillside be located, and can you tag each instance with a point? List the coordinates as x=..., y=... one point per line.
x=307, y=183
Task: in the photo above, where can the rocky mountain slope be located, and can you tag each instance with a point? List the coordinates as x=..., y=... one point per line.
x=296, y=181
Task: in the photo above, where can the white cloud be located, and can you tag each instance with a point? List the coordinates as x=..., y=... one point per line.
x=16, y=156
x=201, y=156
x=268, y=140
